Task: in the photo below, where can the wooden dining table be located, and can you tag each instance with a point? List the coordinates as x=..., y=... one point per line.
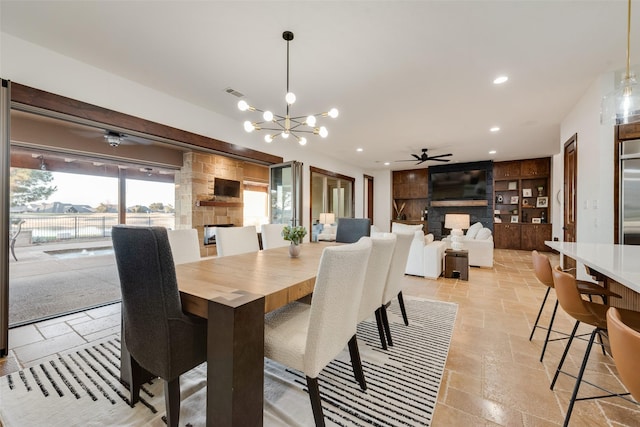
x=233, y=293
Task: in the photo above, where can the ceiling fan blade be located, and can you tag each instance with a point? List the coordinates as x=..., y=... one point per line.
x=440, y=155
x=440, y=160
x=417, y=157
x=420, y=162
x=410, y=160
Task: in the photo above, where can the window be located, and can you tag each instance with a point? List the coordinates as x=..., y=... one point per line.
x=256, y=208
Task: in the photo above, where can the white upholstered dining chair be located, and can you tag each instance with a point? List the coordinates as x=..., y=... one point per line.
x=375, y=280
x=236, y=240
x=185, y=246
x=308, y=337
x=393, y=287
x=272, y=236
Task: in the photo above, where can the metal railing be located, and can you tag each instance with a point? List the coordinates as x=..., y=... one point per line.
x=58, y=227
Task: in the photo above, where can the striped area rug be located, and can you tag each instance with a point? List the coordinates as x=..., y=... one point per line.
x=82, y=388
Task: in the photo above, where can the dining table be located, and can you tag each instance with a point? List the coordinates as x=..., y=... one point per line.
x=233, y=293
x=616, y=266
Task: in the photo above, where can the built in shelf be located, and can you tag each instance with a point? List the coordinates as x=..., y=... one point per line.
x=445, y=203
x=219, y=204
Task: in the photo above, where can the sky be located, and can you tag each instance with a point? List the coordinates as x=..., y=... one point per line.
x=93, y=190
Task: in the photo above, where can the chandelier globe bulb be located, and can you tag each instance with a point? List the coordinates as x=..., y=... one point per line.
x=290, y=97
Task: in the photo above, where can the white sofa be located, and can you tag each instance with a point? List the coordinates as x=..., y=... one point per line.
x=479, y=242
x=328, y=232
x=425, y=255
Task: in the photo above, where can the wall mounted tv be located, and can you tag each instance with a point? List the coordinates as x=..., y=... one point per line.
x=459, y=185
x=226, y=187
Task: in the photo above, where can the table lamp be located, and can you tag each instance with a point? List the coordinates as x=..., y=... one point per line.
x=327, y=218
x=456, y=222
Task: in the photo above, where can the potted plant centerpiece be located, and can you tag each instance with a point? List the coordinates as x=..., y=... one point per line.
x=294, y=235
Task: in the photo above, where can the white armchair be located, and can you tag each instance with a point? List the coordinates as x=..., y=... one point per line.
x=425, y=254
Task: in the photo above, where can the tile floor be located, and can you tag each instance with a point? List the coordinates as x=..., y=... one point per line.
x=492, y=377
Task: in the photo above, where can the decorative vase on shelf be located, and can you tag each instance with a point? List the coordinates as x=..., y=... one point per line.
x=294, y=250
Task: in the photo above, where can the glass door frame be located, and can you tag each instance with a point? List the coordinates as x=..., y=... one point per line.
x=328, y=174
x=296, y=192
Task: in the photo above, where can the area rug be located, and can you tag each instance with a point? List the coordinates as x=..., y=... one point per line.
x=81, y=388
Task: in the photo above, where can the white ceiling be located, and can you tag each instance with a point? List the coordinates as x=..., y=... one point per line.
x=405, y=75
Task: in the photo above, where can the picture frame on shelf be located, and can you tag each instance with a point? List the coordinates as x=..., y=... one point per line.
x=536, y=221
x=514, y=200
x=513, y=185
x=525, y=202
x=542, y=202
x=526, y=192
x=514, y=218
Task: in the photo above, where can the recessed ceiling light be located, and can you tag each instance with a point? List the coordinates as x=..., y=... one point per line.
x=500, y=79
x=387, y=163
x=492, y=152
x=359, y=150
x=495, y=129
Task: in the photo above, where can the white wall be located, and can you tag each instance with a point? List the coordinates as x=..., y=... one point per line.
x=32, y=65
x=595, y=167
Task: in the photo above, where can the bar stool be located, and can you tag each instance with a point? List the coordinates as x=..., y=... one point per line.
x=542, y=270
x=625, y=348
x=588, y=312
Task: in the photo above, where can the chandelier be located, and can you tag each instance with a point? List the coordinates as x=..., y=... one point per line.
x=623, y=105
x=287, y=125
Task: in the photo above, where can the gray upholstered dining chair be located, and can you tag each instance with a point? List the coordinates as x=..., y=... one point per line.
x=308, y=337
x=376, y=279
x=236, y=240
x=159, y=337
x=393, y=287
x=350, y=230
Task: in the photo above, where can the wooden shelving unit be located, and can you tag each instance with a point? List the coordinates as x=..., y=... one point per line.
x=219, y=204
x=410, y=188
x=521, y=202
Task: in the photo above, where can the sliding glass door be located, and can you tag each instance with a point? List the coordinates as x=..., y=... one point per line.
x=5, y=115
x=285, y=193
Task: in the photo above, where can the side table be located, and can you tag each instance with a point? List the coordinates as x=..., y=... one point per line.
x=456, y=264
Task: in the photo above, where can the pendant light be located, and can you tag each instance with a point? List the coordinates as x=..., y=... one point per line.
x=623, y=105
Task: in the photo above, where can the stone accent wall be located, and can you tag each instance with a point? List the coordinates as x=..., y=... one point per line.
x=483, y=214
x=194, y=182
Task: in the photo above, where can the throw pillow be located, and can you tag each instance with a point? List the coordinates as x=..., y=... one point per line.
x=483, y=234
x=473, y=230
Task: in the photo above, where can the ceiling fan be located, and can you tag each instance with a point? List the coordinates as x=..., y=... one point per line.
x=421, y=158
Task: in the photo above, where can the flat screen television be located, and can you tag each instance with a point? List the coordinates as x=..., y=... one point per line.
x=459, y=185
x=226, y=187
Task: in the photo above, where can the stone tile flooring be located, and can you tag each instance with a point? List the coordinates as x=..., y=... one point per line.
x=492, y=377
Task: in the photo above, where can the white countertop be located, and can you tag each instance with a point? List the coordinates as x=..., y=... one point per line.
x=619, y=262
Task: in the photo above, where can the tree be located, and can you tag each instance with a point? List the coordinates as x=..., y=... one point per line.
x=30, y=185
x=156, y=207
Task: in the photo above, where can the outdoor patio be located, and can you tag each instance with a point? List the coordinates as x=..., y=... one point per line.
x=50, y=279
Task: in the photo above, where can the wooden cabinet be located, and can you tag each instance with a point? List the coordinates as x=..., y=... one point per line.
x=410, y=188
x=532, y=236
x=503, y=170
x=506, y=236
x=535, y=167
x=521, y=198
